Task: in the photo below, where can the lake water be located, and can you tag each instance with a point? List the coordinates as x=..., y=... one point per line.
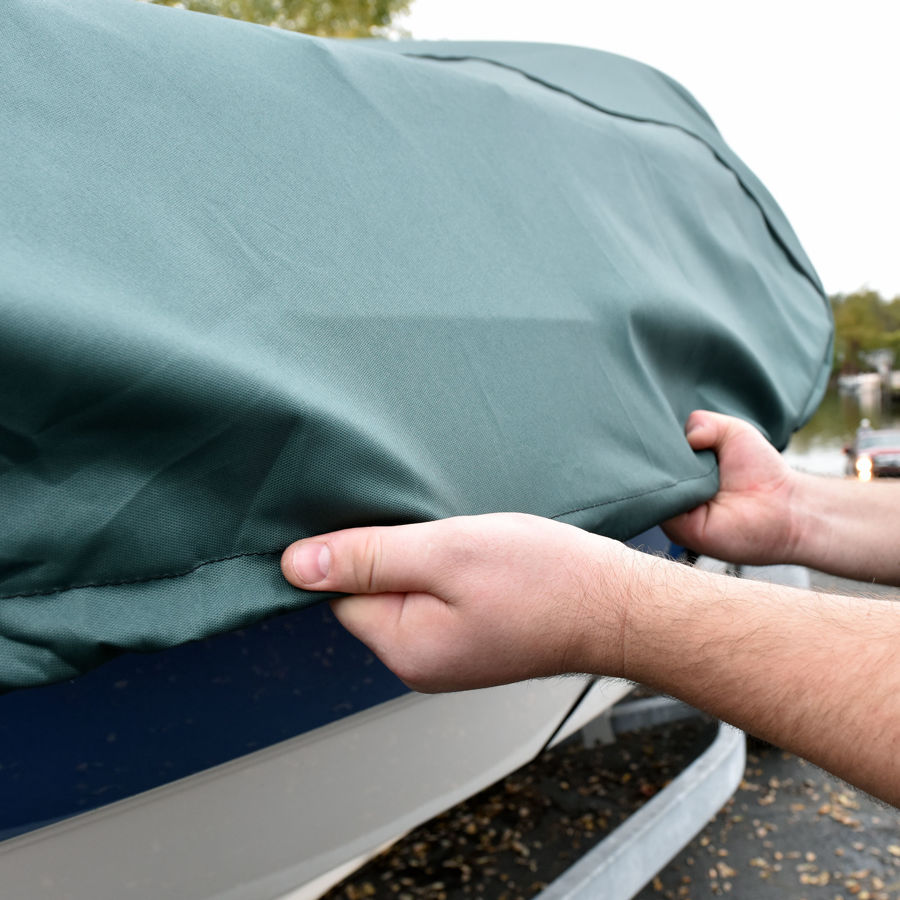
x=818, y=446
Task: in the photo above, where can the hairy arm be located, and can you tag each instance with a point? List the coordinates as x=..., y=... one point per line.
x=484, y=600
x=814, y=673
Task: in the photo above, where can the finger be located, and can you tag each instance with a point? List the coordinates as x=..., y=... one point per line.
x=408, y=632
x=365, y=560
x=373, y=618
x=686, y=529
x=706, y=430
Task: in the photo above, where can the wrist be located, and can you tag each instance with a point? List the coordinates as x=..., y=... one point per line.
x=651, y=631
x=622, y=596
x=807, y=531
x=673, y=620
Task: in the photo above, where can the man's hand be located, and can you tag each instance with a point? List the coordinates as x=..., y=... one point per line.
x=475, y=601
x=750, y=518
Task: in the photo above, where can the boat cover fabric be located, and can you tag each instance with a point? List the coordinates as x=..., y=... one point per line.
x=256, y=286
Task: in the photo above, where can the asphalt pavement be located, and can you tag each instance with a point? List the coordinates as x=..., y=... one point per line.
x=791, y=832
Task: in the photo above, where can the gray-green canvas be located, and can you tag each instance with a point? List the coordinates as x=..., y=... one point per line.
x=256, y=285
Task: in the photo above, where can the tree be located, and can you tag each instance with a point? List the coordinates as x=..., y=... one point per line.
x=863, y=322
x=327, y=18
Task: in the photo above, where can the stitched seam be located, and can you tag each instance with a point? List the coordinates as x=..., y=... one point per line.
x=77, y=587
x=795, y=262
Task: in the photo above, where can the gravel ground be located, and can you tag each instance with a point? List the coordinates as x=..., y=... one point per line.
x=791, y=831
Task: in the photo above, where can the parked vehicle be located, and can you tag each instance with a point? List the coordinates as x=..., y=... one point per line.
x=874, y=454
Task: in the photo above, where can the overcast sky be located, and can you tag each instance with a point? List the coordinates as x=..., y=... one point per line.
x=806, y=93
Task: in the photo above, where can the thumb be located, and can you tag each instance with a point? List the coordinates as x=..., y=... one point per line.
x=389, y=565
x=706, y=430
x=364, y=560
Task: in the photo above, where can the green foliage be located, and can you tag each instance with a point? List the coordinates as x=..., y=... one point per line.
x=863, y=322
x=327, y=18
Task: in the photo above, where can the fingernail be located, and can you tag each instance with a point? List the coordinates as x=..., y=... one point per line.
x=311, y=562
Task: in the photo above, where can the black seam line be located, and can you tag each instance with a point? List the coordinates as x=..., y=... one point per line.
x=78, y=587
x=622, y=115
x=827, y=357
x=280, y=550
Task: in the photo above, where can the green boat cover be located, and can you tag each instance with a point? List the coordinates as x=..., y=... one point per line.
x=256, y=286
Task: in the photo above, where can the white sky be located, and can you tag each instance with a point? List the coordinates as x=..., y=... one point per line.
x=806, y=93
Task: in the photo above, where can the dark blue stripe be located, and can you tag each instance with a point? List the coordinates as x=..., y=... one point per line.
x=143, y=720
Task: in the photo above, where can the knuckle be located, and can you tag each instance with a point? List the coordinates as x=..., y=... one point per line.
x=416, y=677
x=403, y=662
x=369, y=562
x=366, y=563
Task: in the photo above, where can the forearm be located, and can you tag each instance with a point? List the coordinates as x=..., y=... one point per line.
x=847, y=527
x=815, y=674
x=483, y=600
